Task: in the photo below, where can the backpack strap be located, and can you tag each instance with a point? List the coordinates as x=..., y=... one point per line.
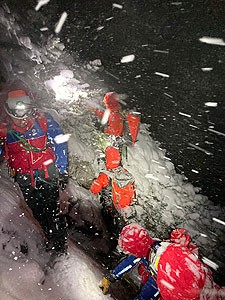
x=42, y=121
x=24, y=144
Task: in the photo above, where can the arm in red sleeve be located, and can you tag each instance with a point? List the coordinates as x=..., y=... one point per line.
x=99, y=113
x=3, y=133
x=98, y=184
x=3, y=130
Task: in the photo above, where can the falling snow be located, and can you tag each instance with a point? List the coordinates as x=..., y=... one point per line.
x=127, y=58
x=212, y=41
x=40, y=4
x=61, y=22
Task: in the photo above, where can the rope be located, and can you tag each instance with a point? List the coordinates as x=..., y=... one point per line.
x=25, y=144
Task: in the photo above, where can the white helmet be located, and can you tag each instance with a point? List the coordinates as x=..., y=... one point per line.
x=18, y=105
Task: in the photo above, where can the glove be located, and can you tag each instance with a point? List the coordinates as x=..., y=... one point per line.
x=104, y=285
x=63, y=181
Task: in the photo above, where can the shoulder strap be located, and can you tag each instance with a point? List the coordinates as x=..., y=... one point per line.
x=110, y=174
x=42, y=121
x=24, y=144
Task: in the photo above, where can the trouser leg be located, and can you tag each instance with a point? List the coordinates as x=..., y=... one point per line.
x=56, y=224
x=149, y=290
x=37, y=207
x=114, y=221
x=44, y=203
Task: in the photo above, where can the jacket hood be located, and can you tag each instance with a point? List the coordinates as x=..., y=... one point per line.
x=134, y=239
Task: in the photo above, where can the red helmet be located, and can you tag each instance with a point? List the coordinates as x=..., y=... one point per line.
x=135, y=240
x=112, y=157
x=111, y=101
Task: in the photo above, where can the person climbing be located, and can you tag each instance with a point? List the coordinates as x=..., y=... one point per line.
x=115, y=121
x=116, y=188
x=37, y=163
x=169, y=270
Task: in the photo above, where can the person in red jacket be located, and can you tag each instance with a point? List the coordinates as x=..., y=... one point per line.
x=120, y=128
x=112, y=121
x=116, y=186
x=115, y=121
x=37, y=163
x=169, y=270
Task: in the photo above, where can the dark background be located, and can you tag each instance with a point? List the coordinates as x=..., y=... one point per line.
x=143, y=28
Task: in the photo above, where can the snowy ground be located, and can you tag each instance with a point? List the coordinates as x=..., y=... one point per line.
x=23, y=260
x=165, y=199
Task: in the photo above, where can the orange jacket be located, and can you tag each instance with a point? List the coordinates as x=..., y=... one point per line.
x=115, y=124
x=121, y=196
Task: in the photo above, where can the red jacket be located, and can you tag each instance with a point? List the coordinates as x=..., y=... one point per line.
x=33, y=148
x=196, y=283
x=115, y=124
x=121, y=196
